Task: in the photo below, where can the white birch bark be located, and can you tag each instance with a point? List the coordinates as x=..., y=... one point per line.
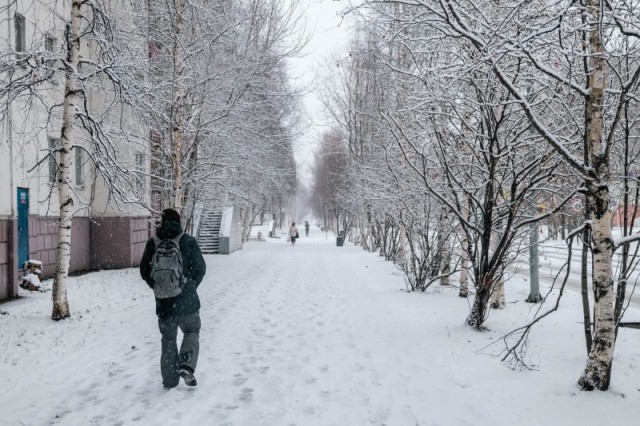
x=445, y=261
x=464, y=257
x=65, y=198
x=497, y=296
x=402, y=245
x=246, y=223
x=365, y=238
x=597, y=374
x=497, y=300
x=466, y=205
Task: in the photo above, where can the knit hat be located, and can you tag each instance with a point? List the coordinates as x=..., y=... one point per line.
x=170, y=214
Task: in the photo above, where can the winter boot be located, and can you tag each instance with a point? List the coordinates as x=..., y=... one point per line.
x=187, y=375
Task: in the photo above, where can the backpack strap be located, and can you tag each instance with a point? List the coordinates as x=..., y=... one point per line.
x=177, y=239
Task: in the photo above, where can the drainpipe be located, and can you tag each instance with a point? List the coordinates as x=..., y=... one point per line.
x=12, y=269
x=9, y=126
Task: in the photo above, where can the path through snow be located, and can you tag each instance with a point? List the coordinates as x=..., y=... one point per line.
x=308, y=335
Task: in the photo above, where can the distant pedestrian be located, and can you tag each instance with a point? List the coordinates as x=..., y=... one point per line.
x=293, y=233
x=173, y=266
x=306, y=227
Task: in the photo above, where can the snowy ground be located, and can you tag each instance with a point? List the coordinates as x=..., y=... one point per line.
x=308, y=335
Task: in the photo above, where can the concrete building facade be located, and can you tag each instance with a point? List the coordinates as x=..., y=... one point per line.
x=105, y=233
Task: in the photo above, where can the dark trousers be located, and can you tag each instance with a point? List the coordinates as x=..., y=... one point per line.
x=171, y=360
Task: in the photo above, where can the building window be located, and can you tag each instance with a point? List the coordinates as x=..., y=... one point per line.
x=49, y=44
x=79, y=161
x=20, y=33
x=139, y=171
x=53, y=159
x=50, y=47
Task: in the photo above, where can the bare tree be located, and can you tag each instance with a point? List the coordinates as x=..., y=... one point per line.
x=224, y=112
x=91, y=60
x=561, y=51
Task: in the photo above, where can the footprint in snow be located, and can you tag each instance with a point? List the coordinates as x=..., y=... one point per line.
x=239, y=380
x=246, y=395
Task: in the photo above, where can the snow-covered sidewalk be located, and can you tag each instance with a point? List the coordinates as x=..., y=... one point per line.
x=308, y=335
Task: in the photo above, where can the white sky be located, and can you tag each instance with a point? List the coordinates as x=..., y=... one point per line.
x=329, y=34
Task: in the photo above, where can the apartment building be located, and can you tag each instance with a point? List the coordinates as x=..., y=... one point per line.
x=106, y=233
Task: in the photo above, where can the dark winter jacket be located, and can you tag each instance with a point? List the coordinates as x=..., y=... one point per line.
x=193, y=268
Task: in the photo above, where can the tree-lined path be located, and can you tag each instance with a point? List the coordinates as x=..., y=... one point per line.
x=308, y=335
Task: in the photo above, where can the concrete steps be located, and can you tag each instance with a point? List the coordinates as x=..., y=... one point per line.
x=209, y=233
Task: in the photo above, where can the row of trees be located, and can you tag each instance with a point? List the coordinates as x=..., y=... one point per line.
x=457, y=119
x=224, y=110
x=197, y=88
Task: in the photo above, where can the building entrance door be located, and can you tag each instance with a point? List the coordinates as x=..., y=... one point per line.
x=23, y=226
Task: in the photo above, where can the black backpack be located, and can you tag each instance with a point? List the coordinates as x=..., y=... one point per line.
x=166, y=268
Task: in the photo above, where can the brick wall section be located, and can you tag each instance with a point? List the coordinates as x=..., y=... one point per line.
x=43, y=242
x=80, y=244
x=118, y=242
x=110, y=242
x=4, y=260
x=102, y=243
x=140, y=233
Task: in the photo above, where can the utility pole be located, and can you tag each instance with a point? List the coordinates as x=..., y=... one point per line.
x=534, y=263
x=534, y=292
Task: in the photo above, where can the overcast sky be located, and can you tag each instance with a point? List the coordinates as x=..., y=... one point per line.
x=328, y=35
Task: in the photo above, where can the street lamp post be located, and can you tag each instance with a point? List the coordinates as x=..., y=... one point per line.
x=534, y=263
x=534, y=287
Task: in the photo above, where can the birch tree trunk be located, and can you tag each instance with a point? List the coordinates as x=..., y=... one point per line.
x=497, y=296
x=445, y=261
x=464, y=240
x=584, y=282
x=464, y=257
x=177, y=107
x=597, y=374
x=401, y=258
x=478, y=312
x=497, y=292
x=65, y=198
x=436, y=261
x=364, y=238
x=247, y=221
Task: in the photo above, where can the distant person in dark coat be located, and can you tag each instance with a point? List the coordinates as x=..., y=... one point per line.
x=181, y=311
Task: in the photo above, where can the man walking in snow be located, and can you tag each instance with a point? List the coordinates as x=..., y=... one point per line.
x=173, y=266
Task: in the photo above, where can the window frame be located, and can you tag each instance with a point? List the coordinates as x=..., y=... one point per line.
x=139, y=170
x=50, y=44
x=20, y=32
x=79, y=162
